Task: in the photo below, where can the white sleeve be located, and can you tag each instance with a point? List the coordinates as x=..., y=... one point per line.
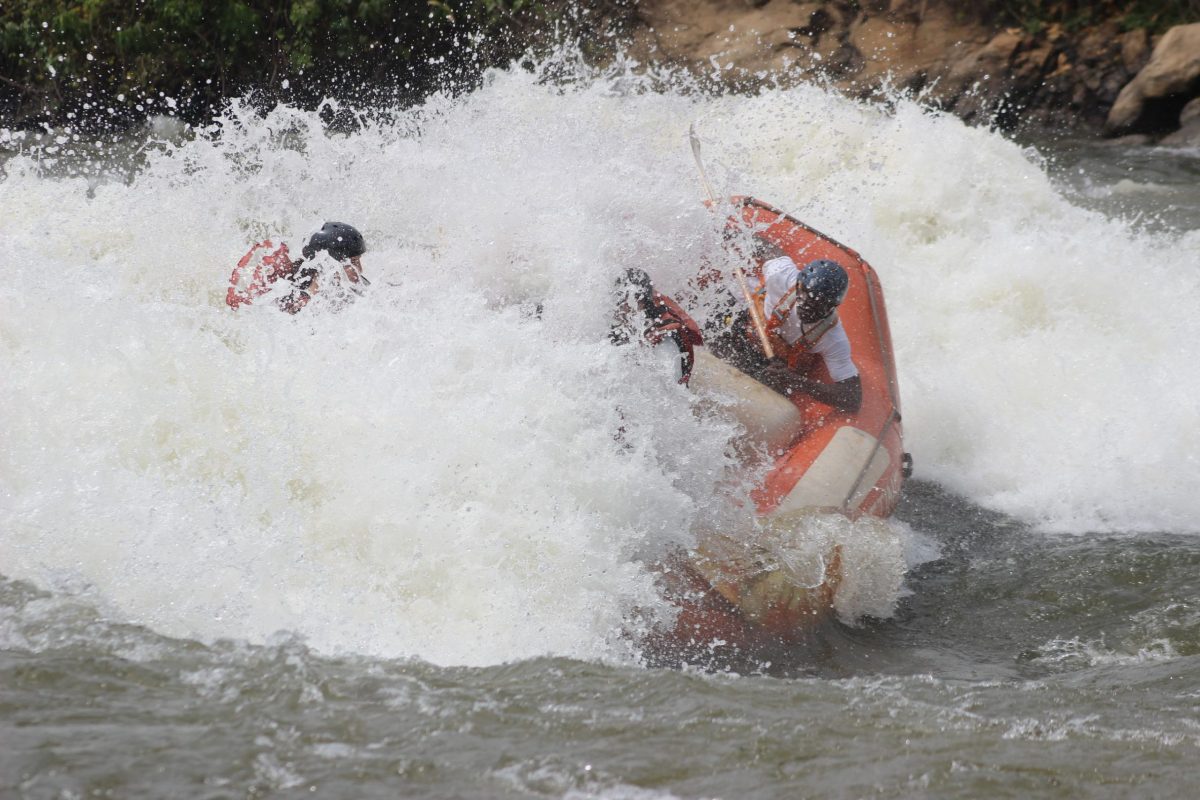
x=834, y=347
x=779, y=276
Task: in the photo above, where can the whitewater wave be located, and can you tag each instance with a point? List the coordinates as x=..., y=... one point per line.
x=459, y=466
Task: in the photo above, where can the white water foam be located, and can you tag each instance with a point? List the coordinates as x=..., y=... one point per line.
x=1046, y=353
x=435, y=471
x=1075, y=653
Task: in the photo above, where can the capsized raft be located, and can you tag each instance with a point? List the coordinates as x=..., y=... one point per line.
x=825, y=461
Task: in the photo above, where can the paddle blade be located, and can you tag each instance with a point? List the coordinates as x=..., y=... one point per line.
x=712, y=197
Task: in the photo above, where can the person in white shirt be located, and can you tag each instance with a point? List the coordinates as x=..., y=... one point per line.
x=800, y=306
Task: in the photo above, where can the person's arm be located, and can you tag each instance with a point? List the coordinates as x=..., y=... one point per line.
x=844, y=395
x=305, y=283
x=668, y=319
x=668, y=326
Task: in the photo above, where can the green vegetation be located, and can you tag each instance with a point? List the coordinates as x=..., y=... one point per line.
x=1037, y=15
x=78, y=58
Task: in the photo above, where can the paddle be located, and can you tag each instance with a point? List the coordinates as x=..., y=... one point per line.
x=760, y=325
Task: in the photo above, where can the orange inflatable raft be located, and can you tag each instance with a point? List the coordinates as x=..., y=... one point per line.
x=735, y=592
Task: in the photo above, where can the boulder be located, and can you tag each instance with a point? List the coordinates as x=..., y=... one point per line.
x=991, y=61
x=1169, y=79
x=834, y=58
x=978, y=83
x=1081, y=74
x=1190, y=113
x=1135, y=50
x=1188, y=134
x=1174, y=66
x=906, y=53
x=886, y=48
x=743, y=37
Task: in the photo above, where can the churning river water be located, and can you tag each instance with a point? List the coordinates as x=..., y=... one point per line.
x=395, y=550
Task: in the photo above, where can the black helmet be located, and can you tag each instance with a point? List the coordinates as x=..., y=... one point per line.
x=341, y=240
x=825, y=283
x=634, y=284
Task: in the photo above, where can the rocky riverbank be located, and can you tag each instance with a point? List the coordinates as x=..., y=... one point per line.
x=1098, y=79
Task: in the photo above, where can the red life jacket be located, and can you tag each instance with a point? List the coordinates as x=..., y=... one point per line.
x=256, y=271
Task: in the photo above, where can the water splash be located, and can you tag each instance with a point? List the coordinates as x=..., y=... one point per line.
x=440, y=469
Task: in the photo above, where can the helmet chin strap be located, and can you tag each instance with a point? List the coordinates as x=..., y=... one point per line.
x=819, y=319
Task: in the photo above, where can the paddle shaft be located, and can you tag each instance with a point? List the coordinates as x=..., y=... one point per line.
x=760, y=325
